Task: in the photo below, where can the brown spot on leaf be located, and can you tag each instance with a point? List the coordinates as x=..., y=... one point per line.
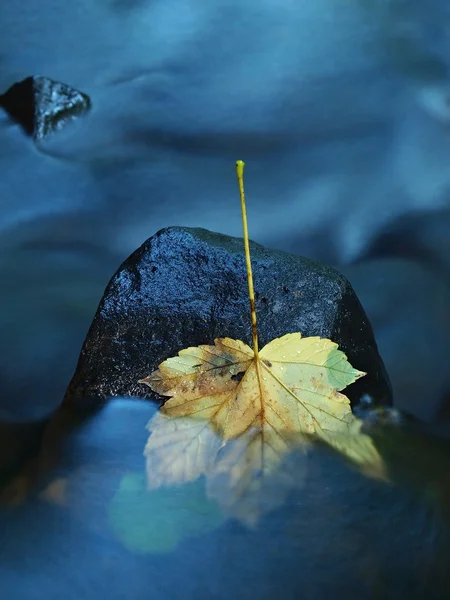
x=318, y=384
x=238, y=376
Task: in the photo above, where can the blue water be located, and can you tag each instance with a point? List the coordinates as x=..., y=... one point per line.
x=337, y=533
x=341, y=111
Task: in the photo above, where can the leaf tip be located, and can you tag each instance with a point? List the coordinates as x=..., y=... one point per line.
x=151, y=380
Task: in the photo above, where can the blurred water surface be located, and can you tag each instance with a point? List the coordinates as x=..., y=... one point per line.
x=96, y=530
x=341, y=110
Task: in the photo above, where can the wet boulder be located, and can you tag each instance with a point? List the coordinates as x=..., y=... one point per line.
x=184, y=287
x=42, y=106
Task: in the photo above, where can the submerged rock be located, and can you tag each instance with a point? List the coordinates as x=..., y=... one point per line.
x=184, y=287
x=43, y=106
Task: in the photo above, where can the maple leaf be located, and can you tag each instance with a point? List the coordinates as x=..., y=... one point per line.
x=233, y=417
x=233, y=413
x=293, y=384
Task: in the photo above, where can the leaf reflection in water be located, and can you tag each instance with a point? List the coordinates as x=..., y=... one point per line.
x=251, y=474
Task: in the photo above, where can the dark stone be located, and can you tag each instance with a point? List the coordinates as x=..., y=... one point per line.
x=42, y=106
x=184, y=287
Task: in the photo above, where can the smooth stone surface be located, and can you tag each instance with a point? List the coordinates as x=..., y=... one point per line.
x=186, y=287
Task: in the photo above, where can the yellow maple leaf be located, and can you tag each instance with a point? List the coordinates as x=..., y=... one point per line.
x=234, y=412
x=293, y=385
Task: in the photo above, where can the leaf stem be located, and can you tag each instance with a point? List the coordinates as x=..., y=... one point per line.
x=240, y=177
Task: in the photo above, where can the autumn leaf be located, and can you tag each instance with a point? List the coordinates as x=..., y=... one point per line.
x=234, y=413
x=292, y=385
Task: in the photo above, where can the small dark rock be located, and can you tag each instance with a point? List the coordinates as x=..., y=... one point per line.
x=184, y=287
x=42, y=106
